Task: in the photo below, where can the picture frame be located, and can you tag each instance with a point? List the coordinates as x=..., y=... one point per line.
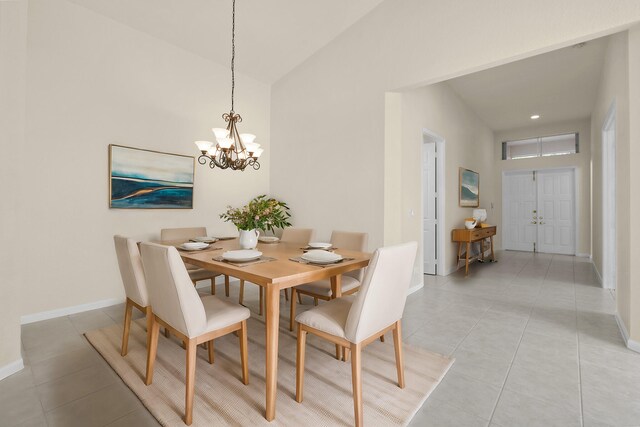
x=469, y=191
x=148, y=179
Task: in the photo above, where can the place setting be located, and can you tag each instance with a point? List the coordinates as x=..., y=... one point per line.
x=243, y=257
x=320, y=258
x=323, y=246
x=196, y=247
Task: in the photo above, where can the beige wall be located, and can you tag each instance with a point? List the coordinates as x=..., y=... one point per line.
x=13, y=42
x=633, y=326
x=91, y=82
x=328, y=114
x=614, y=87
x=468, y=144
x=581, y=161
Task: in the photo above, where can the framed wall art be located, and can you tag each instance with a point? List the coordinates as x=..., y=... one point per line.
x=469, y=194
x=146, y=179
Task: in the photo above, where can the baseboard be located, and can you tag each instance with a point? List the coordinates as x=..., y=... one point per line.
x=631, y=344
x=11, y=368
x=415, y=288
x=51, y=314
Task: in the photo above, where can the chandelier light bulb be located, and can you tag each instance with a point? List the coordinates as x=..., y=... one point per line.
x=250, y=146
x=204, y=145
x=225, y=143
x=257, y=153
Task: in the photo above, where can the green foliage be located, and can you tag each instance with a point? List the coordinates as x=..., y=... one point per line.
x=262, y=213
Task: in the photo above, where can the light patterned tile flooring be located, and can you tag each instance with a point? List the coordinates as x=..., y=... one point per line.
x=534, y=337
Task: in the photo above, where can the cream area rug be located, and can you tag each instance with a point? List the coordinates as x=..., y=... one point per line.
x=221, y=399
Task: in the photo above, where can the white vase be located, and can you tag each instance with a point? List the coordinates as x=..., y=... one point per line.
x=249, y=239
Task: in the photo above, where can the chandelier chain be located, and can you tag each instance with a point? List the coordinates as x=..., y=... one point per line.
x=233, y=53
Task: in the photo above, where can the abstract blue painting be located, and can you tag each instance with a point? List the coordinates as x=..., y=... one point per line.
x=145, y=179
x=469, y=188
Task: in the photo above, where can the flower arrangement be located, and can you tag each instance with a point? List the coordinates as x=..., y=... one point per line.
x=262, y=213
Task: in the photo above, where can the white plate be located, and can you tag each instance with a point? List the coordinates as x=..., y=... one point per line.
x=225, y=237
x=193, y=246
x=320, y=245
x=321, y=257
x=268, y=239
x=204, y=239
x=242, y=255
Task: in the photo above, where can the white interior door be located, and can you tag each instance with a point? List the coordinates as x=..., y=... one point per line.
x=609, y=246
x=556, y=228
x=430, y=207
x=519, y=211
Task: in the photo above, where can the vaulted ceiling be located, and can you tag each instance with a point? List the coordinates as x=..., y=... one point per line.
x=272, y=36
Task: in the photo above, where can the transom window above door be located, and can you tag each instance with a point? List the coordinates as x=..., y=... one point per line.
x=543, y=146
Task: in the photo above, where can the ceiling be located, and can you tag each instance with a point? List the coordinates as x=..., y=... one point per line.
x=272, y=37
x=559, y=85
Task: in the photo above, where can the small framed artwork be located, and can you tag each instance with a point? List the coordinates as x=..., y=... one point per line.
x=469, y=195
x=146, y=179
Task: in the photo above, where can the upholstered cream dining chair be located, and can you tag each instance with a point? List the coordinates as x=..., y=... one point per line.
x=135, y=286
x=350, y=282
x=177, y=306
x=195, y=273
x=289, y=235
x=357, y=320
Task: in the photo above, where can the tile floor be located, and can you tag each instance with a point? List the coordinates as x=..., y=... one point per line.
x=534, y=338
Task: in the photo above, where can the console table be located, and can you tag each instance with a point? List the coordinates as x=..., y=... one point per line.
x=469, y=236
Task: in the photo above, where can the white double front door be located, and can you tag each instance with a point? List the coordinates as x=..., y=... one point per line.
x=539, y=211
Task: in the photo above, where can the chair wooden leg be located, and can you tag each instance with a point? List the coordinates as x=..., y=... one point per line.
x=292, y=311
x=210, y=350
x=152, y=350
x=338, y=352
x=381, y=338
x=356, y=369
x=213, y=286
x=190, y=381
x=226, y=286
x=302, y=340
x=346, y=354
x=261, y=299
x=167, y=334
x=315, y=301
x=286, y=294
x=299, y=298
x=241, y=297
x=149, y=315
x=127, y=327
x=244, y=353
x=397, y=343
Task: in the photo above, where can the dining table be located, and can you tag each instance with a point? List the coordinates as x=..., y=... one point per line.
x=276, y=271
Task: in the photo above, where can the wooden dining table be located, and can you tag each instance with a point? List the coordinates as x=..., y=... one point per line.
x=273, y=276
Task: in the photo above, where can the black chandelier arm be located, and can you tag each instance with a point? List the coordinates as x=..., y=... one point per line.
x=203, y=159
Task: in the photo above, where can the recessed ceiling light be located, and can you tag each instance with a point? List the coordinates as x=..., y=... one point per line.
x=535, y=117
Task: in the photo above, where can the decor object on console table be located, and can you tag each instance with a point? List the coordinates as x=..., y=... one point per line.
x=231, y=150
x=469, y=236
x=261, y=213
x=469, y=193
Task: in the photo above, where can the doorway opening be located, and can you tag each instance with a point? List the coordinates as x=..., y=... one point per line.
x=609, y=257
x=432, y=202
x=539, y=211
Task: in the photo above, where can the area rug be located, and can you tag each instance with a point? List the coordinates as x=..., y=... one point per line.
x=221, y=399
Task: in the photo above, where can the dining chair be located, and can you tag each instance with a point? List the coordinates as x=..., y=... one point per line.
x=350, y=282
x=135, y=286
x=357, y=320
x=177, y=306
x=289, y=235
x=195, y=273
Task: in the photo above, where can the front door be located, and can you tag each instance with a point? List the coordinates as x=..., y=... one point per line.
x=539, y=211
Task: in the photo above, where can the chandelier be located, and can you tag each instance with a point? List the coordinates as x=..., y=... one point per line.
x=232, y=149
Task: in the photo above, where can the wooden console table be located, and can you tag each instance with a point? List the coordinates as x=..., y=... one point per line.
x=469, y=236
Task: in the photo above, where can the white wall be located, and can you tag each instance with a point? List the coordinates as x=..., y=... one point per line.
x=13, y=43
x=614, y=87
x=581, y=161
x=91, y=82
x=328, y=114
x=468, y=144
